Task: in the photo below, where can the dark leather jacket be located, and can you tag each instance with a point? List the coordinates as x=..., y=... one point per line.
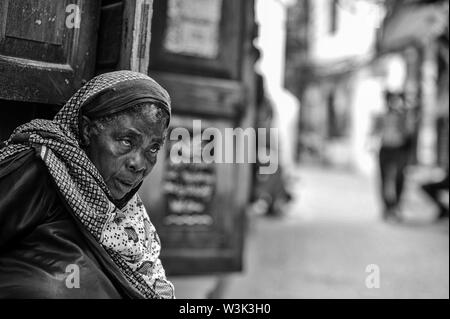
x=42, y=245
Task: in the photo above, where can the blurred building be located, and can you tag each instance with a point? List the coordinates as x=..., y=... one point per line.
x=342, y=56
x=330, y=68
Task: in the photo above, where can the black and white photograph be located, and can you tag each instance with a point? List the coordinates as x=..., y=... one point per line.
x=246, y=151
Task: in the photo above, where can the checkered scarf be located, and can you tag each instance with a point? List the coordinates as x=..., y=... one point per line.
x=125, y=233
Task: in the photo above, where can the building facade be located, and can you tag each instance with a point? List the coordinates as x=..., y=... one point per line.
x=343, y=55
x=332, y=70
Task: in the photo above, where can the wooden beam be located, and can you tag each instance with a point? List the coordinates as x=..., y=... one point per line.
x=136, y=35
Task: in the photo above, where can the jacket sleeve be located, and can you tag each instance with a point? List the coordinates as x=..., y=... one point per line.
x=24, y=189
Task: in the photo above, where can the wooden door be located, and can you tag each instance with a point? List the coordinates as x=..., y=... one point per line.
x=198, y=54
x=47, y=48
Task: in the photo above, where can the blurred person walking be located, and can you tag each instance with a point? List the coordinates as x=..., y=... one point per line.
x=270, y=192
x=395, y=131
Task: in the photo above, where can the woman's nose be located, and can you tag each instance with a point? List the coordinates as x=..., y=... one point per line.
x=137, y=163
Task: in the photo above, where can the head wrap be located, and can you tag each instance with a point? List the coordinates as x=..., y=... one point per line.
x=126, y=233
x=125, y=95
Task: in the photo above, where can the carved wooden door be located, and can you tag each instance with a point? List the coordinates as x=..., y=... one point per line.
x=197, y=53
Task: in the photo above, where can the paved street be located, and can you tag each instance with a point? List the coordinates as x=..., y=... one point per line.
x=321, y=247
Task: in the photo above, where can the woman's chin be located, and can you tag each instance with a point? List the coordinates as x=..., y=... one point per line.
x=119, y=190
x=118, y=194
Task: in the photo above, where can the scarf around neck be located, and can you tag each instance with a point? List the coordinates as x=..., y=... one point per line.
x=124, y=231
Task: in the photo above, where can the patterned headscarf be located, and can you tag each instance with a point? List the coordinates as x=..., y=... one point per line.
x=126, y=233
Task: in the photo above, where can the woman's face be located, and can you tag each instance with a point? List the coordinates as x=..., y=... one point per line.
x=125, y=149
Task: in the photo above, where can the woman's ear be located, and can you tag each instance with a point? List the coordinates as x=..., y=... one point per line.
x=86, y=129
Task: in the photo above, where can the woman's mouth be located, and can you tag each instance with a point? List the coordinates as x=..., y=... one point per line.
x=124, y=184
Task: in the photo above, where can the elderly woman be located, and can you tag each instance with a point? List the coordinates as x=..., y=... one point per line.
x=71, y=222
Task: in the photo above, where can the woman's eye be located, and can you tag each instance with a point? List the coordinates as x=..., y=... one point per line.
x=126, y=143
x=155, y=148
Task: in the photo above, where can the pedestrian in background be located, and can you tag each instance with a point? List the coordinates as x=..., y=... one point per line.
x=395, y=130
x=270, y=192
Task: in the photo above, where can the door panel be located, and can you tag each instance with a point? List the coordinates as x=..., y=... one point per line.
x=203, y=96
x=45, y=55
x=35, y=20
x=201, y=37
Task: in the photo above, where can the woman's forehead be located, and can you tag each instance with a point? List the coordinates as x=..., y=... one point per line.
x=141, y=123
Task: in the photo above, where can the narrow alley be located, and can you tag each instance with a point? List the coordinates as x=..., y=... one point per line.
x=328, y=237
x=321, y=248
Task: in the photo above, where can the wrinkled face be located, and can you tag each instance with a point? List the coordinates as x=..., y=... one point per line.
x=125, y=149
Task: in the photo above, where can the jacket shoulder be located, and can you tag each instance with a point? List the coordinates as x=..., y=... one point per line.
x=27, y=195
x=23, y=163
